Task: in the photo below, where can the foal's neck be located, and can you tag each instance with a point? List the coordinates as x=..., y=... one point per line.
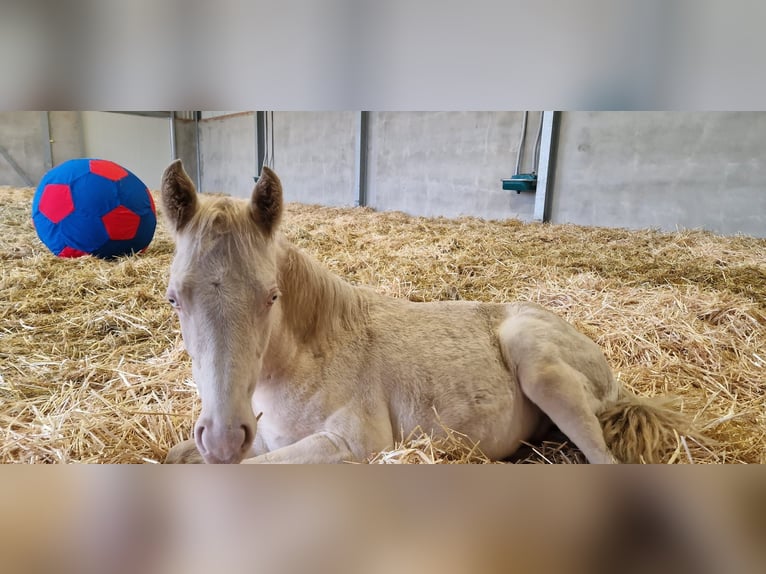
x=315, y=302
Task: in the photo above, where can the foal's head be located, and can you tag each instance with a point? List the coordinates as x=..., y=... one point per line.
x=223, y=285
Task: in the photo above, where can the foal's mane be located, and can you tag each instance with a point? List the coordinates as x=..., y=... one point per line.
x=316, y=302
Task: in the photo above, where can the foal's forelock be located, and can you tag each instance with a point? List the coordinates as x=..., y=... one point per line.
x=222, y=220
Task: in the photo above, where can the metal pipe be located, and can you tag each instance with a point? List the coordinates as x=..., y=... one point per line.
x=537, y=143
x=260, y=136
x=197, y=116
x=47, y=141
x=265, y=140
x=521, y=143
x=267, y=134
x=256, y=147
x=173, y=154
x=544, y=191
x=360, y=168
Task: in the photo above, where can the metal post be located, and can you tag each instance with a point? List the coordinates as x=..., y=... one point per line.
x=256, y=146
x=360, y=171
x=523, y=136
x=544, y=191
x=47, y=141
x=260, y=142
x=197, y=117
x=173, y=154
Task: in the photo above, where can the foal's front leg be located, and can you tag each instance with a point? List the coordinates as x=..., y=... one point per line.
x=321, y=447
x=184, y=453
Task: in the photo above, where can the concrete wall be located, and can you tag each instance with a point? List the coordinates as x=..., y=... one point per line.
x=627, y=169
x=139, y=144
x=662, y=169
x=448, y=163
x=22, y=137
x=66, y=136
x=227, y=153
x=423, y=163
x=314, y=155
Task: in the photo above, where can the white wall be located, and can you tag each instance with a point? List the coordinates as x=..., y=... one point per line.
x=449, y=163
x=662, y=169
x=626, y=169
x=314, y=155
x=138, y=143
x=227, y=154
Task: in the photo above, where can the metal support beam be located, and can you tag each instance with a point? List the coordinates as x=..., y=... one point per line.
x=545, y=168
x=260, y=142
x=360, y=167
x=16, y=167
x=45, y=120
x=197, y=116
x=173, y=153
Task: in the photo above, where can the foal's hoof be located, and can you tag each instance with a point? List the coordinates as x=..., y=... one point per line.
x=184, y=453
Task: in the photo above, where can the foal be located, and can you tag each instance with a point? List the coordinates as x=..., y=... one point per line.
x=341, y=372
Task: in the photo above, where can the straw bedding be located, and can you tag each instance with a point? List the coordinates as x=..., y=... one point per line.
x=92, y=367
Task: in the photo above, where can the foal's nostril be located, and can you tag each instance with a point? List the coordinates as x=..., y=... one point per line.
x=198, y=430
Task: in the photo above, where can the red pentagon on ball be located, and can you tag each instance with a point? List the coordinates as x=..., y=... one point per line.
x=71, y=252
x=56, y=202
x=121, y=223
x=107, y=169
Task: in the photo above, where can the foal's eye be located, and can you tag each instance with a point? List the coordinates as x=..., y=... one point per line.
x=173, y=301
x=273, y=297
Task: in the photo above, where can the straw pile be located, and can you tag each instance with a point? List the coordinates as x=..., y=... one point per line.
x=92, y=367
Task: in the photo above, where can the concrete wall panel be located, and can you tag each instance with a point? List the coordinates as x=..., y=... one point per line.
x=67, y=136
x=21, y=137
x=314, y=155
x=448, y=163
x=662, y=169
x=138, y=143
x=626, y=169
x=227, y=145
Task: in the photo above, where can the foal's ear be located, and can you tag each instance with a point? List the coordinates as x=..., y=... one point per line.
x=179, y=197
x=266, y=203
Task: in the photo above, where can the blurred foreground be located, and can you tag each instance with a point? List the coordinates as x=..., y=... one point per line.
x=365, y=519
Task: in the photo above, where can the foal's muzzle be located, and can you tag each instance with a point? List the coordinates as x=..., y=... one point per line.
x=223, y=443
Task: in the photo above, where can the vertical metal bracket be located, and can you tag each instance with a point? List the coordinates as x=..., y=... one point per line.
x=360, y=157
x=545, y=168
x=47, y=141
x=260, y=142
x=197, y=118
x=172, y=119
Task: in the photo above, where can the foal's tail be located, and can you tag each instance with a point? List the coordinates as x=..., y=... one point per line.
x=643, y=430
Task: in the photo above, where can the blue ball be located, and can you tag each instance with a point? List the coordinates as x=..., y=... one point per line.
x=93, y=207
